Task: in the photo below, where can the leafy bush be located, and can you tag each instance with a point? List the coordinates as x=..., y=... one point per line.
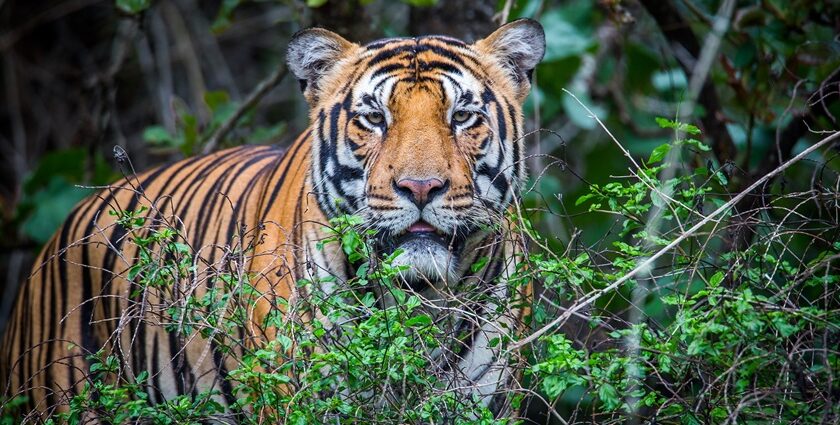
x=707, y=335
x=737, y=322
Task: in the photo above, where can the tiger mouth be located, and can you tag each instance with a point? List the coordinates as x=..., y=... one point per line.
x=431, y=254
x=431, y=236
x=423, y=231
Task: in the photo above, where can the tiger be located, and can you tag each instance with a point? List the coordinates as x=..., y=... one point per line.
x=421, y=138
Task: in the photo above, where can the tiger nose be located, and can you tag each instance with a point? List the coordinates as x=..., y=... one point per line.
x=420, y=191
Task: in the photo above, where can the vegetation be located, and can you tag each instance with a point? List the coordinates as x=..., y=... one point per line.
x=682, y=276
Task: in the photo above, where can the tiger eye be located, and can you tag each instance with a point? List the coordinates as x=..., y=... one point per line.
x=375, y=118
x=461, y=116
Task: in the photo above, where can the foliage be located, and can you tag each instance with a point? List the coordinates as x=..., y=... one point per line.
x=706, y=337
x=713, y=332
x=350, y=361
x=113, y=398
x=191, y=134
x=343, y=366
x=744, y=336
x=55, y=186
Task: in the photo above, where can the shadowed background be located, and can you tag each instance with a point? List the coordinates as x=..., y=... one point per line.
x=169, y=79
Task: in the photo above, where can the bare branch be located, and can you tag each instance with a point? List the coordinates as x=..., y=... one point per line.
x=253, y=98
x=645, y=265
x=677, y=31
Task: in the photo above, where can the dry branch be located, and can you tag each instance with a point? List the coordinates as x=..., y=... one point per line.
x=677, y=30
x=253, y=98
x=648, y=263
x=786, y=139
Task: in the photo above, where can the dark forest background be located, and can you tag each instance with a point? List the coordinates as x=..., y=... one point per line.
x=169, y=79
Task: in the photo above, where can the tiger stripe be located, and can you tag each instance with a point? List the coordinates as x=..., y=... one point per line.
x=410, y=134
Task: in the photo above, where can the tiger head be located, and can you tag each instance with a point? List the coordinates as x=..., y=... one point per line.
x=421, y=137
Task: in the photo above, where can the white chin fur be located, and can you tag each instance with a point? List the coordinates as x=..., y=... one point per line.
x=427, y=260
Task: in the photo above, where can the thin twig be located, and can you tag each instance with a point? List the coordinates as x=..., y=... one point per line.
x=682, y=39
x=708, y=53
x=253, y=98
x=185, y=51
x=644, y=266
x=502, y=17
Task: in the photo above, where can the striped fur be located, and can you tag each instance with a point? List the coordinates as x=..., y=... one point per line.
x=428, y=108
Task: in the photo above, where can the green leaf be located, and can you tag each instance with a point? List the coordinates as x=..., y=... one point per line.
x=133, y=6
x=157, y=135
x=316, y=3
x=584, y=198
x=659, y=153
x=51, y=206
x=216, y=98
x=679, y=126
x=419, y=321
x=784, y=327
x=369, y=299
x=716, y=279
x=285, y=342
x=656, y=199
x=479, y=264
x=696, y=144
x=721, y=178
x=609, y=396
x=421, y=3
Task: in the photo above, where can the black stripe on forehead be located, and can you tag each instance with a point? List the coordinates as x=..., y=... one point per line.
x=457, y=57
x=391, y=67
x=419, y=60
x=378, y=44
x=408, y=50
x=425, y=66
x=449, y=48
x=445, y=40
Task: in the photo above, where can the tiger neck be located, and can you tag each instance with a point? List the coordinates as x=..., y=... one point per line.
x=291, y=226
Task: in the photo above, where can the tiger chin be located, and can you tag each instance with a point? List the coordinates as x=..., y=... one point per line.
x=422, y=138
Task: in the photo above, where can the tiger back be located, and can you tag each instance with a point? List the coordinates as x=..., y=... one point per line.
x=421, y=138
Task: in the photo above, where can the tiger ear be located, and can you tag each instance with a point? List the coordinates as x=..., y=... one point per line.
x=518, y=47
x=313, y=53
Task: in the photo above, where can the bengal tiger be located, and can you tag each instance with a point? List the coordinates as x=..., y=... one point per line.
x=422, y=138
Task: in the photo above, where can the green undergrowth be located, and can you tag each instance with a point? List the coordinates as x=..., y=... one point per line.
x=711, y=332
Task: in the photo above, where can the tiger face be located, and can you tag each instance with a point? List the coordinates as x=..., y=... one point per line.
x=421, y=137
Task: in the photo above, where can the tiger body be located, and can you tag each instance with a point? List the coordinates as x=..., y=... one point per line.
x=420, y=137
